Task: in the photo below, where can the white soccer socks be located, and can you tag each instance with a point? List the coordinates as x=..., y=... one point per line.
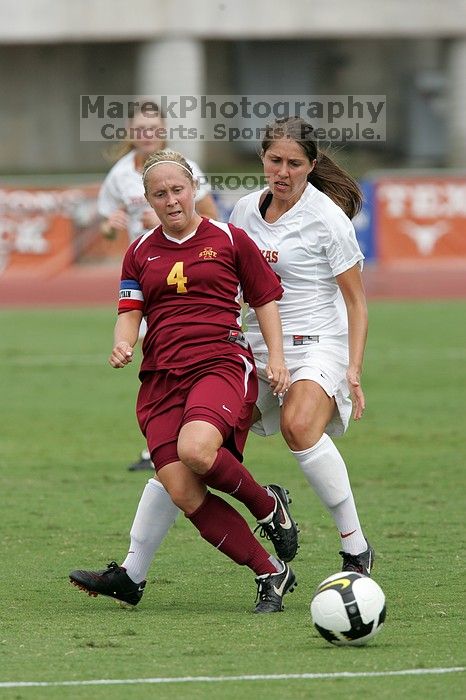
x=326, y=472
x=155, y=515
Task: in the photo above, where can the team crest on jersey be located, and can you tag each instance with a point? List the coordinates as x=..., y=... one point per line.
x=208, y=253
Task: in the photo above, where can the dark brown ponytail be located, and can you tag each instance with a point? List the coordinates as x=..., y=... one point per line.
x=337, y=184
x=326, y=176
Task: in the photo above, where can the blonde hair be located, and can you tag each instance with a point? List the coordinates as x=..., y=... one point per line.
x=161, y=157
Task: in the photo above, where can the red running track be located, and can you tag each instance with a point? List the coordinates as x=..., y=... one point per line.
x=92, y=285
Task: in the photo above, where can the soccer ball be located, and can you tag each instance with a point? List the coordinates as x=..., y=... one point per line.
x=348, y=609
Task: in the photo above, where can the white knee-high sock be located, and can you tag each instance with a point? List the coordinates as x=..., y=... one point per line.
x=155, y=515
x=326, y=472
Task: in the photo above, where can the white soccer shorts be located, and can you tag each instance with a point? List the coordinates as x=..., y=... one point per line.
x=325, y=363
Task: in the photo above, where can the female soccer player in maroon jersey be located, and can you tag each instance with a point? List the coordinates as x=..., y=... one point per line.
x=121, y=199
x=198, y=379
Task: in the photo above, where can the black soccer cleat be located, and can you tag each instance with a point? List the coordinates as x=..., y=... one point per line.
x=112, y=581
x=282, y=530
x=272, y=587
x=361, y=563
x=144, y=463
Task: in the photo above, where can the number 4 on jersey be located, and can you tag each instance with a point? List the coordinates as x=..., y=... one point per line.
x=175, y=276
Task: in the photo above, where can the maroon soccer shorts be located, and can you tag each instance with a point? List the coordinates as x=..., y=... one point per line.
x=221, y=392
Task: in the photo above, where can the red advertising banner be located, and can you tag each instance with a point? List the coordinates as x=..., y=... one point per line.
x=421, y=218
x=45, y=230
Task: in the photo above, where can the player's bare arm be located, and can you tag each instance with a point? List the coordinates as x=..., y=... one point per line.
x=117, y=221
x=207, y=207
x=351, y=286
x=125, y=338
x=271, y=328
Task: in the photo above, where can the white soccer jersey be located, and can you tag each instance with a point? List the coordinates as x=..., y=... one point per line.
x=123, y=189
x=308, y=247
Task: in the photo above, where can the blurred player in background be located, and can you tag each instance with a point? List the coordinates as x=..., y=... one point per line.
x=198, y=380
x=121, y=199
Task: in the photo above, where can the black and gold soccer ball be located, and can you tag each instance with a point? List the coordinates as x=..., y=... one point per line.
x=348, y=609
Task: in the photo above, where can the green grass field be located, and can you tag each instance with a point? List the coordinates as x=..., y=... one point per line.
x=68, y=431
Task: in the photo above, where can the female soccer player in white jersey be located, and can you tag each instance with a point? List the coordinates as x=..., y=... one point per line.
x=301, y=223
x=122, y=202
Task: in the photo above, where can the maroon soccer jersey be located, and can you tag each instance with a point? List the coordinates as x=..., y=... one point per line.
x=189, y=291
